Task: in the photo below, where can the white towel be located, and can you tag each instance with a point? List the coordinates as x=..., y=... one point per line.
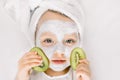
x=21, y=11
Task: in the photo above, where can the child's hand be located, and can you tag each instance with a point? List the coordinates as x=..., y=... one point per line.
x=29, y=60
x=83, y=70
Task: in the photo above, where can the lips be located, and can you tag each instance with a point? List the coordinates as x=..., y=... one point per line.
x=58, y=61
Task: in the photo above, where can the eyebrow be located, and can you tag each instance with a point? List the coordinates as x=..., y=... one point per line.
x=71, y=34
x=48, y=33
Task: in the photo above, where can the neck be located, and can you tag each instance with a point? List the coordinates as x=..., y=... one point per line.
x=50, y=72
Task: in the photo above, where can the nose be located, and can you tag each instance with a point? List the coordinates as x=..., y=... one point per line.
x=59, y=54
x=59, y=50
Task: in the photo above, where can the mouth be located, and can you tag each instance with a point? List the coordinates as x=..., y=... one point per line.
x=58, y=61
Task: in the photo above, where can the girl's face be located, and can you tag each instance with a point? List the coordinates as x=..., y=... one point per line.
x=57, y=39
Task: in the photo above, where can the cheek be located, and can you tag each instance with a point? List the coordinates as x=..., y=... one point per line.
x=49, y=51
x=68, y=50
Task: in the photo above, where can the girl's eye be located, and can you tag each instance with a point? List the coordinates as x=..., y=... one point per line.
x=47, y=42
x=69, y=42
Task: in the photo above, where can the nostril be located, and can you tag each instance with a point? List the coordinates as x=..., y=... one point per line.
x=62, y=54
x=59, y=54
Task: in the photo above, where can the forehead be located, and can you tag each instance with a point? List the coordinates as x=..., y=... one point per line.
x=50, y=34
x=58, y=27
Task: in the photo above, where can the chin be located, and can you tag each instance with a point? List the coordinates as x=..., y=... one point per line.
x=59, y=68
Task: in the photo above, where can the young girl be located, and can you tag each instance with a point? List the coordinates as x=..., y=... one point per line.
x=57, y=35
x=57, y=32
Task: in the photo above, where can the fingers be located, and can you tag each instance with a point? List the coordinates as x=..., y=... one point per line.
x=30, y=60
x=83, y=70
x=82, y=67
x=27, y=54
x=85, y=61
x=28, y=66
x=83, y=76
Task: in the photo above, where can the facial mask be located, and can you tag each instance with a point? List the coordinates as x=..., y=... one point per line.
x=59, y=29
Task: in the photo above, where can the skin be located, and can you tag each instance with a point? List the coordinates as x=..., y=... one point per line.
x=31, y=59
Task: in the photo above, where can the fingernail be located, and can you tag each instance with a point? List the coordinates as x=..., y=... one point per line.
x=30, y=71
x=35, y=52
x=41, y=64
x=41, y=61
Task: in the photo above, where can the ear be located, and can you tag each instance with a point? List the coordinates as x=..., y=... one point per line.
x=79, y=36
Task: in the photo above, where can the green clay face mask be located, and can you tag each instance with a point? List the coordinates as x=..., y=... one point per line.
x=59, y=42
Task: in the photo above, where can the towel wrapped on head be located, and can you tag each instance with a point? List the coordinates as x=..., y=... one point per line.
x=28, y=12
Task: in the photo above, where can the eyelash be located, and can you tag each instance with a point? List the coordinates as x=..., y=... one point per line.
x=48, y=40
x=69, y=41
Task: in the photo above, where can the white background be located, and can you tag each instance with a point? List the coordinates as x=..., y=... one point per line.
x=101, y=40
